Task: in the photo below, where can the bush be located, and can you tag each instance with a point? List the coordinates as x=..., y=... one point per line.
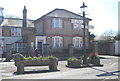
x=40, y=58
x=72, y=59
x=28, y=58
x=92, y=57
x=49, y=57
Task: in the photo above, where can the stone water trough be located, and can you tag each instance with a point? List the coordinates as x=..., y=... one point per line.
x=20, y=63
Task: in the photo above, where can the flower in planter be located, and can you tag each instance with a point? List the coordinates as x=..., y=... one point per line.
x=49, y=57
x=27, y=58
x=40, y=58
x=36, y=58
x=73, y=62
x=93, y=59
x=93, y=56
x=72, y=59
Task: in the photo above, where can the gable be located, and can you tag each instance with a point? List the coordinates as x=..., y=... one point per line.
x=62, y=13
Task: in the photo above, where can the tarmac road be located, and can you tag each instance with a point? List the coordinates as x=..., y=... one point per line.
x=110, y=70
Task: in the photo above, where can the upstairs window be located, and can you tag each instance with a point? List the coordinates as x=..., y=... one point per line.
x=57, y=42
x=57, y=23
x=78, y=42
x=16, y=32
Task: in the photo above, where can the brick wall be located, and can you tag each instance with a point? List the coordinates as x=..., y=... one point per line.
x=106, y=48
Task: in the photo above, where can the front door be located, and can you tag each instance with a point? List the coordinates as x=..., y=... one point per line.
x=40, y=47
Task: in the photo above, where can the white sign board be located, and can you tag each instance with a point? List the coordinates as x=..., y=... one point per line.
x=90, y=27
x=76, y=21
x=77, y=24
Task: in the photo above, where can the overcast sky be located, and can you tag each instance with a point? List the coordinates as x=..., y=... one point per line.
x=104, y=13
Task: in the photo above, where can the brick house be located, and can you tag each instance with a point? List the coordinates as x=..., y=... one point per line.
x=18, y=34
x=59, y=28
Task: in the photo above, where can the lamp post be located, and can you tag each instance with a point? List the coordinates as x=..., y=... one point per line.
x=1, y=39
x=1, y=15
x=83, y=9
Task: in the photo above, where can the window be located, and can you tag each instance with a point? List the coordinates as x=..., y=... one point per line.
x=19, y=47
x=57, y=42
x=77, y=41
x=16, y=32
x=57, y=23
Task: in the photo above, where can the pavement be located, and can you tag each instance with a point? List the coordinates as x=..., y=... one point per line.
x=110, y=70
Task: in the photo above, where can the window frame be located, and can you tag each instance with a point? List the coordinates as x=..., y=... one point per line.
x=60, y=39
x=57, y=23
x=16, y=31
x=80, y=42
x=17, y=46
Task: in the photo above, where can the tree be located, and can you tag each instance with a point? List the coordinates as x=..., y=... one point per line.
x=117, y=37
x=91, y=37
x=109, y=33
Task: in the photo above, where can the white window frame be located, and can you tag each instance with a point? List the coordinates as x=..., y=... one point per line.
x=80, y=42
x=60, y=23
x=60, y=39
x=16, y=47
x=16, y=31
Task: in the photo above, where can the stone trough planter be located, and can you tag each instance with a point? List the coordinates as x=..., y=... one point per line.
x=20, y=63
x=73, y=62
x=94, y=60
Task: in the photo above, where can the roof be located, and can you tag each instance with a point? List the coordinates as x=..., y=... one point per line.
x=10, y=40
x=22, y=40
x=62, y=13
x=16, y=22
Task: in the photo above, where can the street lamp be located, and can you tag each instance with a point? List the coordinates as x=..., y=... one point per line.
x=1, y=15
x=83, y=9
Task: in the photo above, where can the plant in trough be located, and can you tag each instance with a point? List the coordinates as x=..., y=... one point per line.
x=40, y=58
x=73, y=62
x=93, y=59
x=72, y=59
x=28, y=58
x=49, y=57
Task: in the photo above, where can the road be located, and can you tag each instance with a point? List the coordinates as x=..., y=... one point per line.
x=110, y=70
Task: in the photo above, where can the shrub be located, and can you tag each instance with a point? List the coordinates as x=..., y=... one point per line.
x=72, y=59
x=36, y=58
x=92, y=57
x=49, y=57
x=28, y=58
x=40, y=58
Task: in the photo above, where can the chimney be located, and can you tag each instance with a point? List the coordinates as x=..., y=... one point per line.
x=24, y=24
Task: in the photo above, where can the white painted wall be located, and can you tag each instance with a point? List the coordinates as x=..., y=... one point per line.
x=117, y=47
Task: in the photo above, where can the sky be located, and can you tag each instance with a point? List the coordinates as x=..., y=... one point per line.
x=104, y=13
